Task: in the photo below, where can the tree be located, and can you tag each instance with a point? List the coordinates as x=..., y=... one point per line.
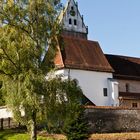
x=2, y=102
x=76, y=126
x=62, y=94
x=28, y=27
x=66, y=114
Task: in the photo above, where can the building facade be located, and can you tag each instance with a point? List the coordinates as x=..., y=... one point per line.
x=127, y=74
x=84, y=60
x=106, y=80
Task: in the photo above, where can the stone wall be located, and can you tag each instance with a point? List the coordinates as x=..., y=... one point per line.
x=110, y=119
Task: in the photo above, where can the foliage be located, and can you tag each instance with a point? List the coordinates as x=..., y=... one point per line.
x=28, y=44
x=61, y=94
x=28, y=27
x=76, y=126
x=66, y=114
x=2, y=101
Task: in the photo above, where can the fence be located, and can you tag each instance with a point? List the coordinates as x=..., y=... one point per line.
x=6, y=123
x=6, y=120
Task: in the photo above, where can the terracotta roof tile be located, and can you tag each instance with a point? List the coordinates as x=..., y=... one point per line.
x=58, y=59
x=82, y=54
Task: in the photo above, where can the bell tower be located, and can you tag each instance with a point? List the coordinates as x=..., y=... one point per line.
x=72, y=21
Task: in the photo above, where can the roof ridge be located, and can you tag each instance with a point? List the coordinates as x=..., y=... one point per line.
x=124, y=56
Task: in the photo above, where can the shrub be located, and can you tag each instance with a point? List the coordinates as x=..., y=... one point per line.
x=76, y=126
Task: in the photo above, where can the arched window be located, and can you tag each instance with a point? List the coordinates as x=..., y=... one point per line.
x=72, y=8
x=75, y=22
x=70, y=22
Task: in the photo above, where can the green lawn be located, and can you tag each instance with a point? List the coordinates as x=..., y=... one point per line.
x=13, y=135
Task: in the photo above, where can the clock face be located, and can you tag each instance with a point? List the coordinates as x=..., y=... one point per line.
x=72, y=12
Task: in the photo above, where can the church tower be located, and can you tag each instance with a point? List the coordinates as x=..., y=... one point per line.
x=72, y=21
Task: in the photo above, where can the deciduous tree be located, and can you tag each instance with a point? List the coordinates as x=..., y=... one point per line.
x=66, y=114
x=62, y=95
x=28, y=40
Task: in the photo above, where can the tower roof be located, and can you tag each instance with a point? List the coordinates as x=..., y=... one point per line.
x=72, y=20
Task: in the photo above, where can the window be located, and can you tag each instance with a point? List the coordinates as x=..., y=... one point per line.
x=127, y=87
x=72, y=8
x=70, y=21
x=135, y=105
x=75, y=22
x=105, y=92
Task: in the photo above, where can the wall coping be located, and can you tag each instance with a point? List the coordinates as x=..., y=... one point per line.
x=110, y=108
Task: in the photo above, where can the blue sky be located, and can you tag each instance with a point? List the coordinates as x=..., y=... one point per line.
x=115, y=24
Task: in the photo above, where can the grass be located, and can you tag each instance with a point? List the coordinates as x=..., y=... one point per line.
x=116, y=136
x=14, y=135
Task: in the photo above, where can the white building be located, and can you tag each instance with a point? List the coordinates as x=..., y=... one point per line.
x=84, y=60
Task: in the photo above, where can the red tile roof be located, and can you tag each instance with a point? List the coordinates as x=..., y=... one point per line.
x=81, y=54
x=125, y=67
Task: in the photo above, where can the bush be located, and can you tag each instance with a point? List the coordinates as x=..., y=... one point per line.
x=76, y=126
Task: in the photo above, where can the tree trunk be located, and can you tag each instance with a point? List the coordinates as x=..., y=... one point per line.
x=33, y=127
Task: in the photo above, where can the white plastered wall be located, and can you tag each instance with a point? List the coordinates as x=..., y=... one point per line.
x=5, y=113
x=92, y=84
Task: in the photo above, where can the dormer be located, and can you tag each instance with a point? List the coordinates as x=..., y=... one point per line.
x=72, y=21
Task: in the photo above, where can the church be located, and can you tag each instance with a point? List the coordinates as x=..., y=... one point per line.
x=105, y=79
